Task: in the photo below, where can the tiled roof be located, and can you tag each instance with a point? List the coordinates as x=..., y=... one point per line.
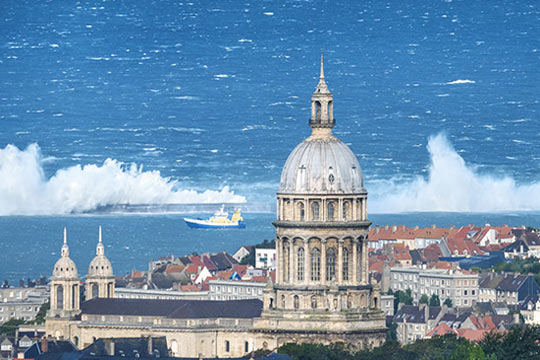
x=178, y=309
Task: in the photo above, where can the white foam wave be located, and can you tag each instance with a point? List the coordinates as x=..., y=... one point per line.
x=453, y=185
x=460, y=81
x=24, y=189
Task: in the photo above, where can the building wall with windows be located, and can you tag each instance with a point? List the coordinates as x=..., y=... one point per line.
x=234, y=290
x=22, y=303
x=458, y=285
x=265, y=259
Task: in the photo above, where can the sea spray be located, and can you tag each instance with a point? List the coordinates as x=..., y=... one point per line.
x=24, y=189
x=453, y=185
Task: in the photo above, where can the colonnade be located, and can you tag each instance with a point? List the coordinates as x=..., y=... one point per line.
x=322, y=261
x=322, y=209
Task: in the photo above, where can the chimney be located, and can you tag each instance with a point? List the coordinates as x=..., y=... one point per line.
x=433, y=226
x=386, y=227
x=394, y=229
x=150, y=347
x=109, y=347
x=44, y=345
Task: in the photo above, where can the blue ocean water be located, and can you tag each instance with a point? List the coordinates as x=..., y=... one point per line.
x=214, y=95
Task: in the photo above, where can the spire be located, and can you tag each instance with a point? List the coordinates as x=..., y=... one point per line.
x=100, y=249
x=322, y=67
x=322, y=107
x=65, y=247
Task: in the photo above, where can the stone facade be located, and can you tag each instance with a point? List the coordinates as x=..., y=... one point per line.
x=322, y=293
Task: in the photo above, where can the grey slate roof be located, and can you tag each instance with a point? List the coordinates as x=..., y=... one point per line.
x=416, y=314
x=223, y=261
x=504, y=282
x=177, y=309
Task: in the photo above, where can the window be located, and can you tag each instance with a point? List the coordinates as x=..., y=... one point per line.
x=314, y=302
x=300, y=264
x=296, y=302
x=315, y=264
x=283, y=301
x=346, y=207
x=227, y=346
x=346, y=264
x=330, y=264
x=301, y=212
x=315, y=210
x=60, y=297
x=95, y=291
x=330, y=211
x=246, y=347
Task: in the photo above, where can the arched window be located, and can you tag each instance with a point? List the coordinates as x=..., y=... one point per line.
x=315, y=210
x=300, y=264
x=315, y=264
x=95, y=290
x=345, y=263
x=286, y=261
x=375, y=302
x=283, y=301
x=330, y=211
x=330, y=264
x=246, y=346
x=314, y=302
x=349, y=302
x=76, y=341
x=109, y=289
x=346, y=208
x=60, y=297
x=317, y=110
x=296, y=302
x=301, y=212
x=227, y=346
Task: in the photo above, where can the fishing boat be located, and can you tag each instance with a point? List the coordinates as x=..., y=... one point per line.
x=220, y=220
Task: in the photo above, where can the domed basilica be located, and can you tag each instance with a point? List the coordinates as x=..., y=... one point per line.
x=321, y=294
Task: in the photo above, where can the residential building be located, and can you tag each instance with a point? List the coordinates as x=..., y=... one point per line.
x=460, y=286
x=235, y=289
x=265, y=258
x=242, y=252
x=510, y=288
x=22, y=303
x=128, y=293
x=415, y=321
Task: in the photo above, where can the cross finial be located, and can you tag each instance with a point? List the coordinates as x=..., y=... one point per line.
x=100, y=234
x=322, y=66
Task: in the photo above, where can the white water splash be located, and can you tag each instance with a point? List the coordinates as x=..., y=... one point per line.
x=24, y=190
x=453, y=185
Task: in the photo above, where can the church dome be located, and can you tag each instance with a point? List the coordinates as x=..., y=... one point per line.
x=100, y=266
x=322, y=164
x=65, y=268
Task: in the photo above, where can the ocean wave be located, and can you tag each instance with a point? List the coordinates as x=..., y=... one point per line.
x=24, y=189
x=460, y=81
x=453, y=185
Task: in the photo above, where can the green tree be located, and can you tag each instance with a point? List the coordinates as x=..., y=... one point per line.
x=423, y=299
x=434, y=300
x=520, y=342
x=40, y=316
x=448, y=302
x=10, y=326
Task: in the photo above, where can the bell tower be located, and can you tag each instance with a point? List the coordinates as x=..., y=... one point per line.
x=64, y=294
x=100, y=279
x=322, y=292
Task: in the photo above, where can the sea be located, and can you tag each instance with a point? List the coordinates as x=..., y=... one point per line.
x=131, y=115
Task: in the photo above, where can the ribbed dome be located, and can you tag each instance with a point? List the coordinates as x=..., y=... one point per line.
x=100, y=266
x=65, y=268
x=321, y=165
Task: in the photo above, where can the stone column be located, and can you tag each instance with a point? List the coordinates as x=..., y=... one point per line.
x=291, y=262
x=279, y=260
x=365, y=261
x=355, y=261
x=339, y=209
x=339, y=259
x=307, y=262
x=364, y=207
x=323, y=261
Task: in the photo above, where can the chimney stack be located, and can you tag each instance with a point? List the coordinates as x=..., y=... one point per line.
x=44, y=345
x=109, y=347
x=150, y=347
